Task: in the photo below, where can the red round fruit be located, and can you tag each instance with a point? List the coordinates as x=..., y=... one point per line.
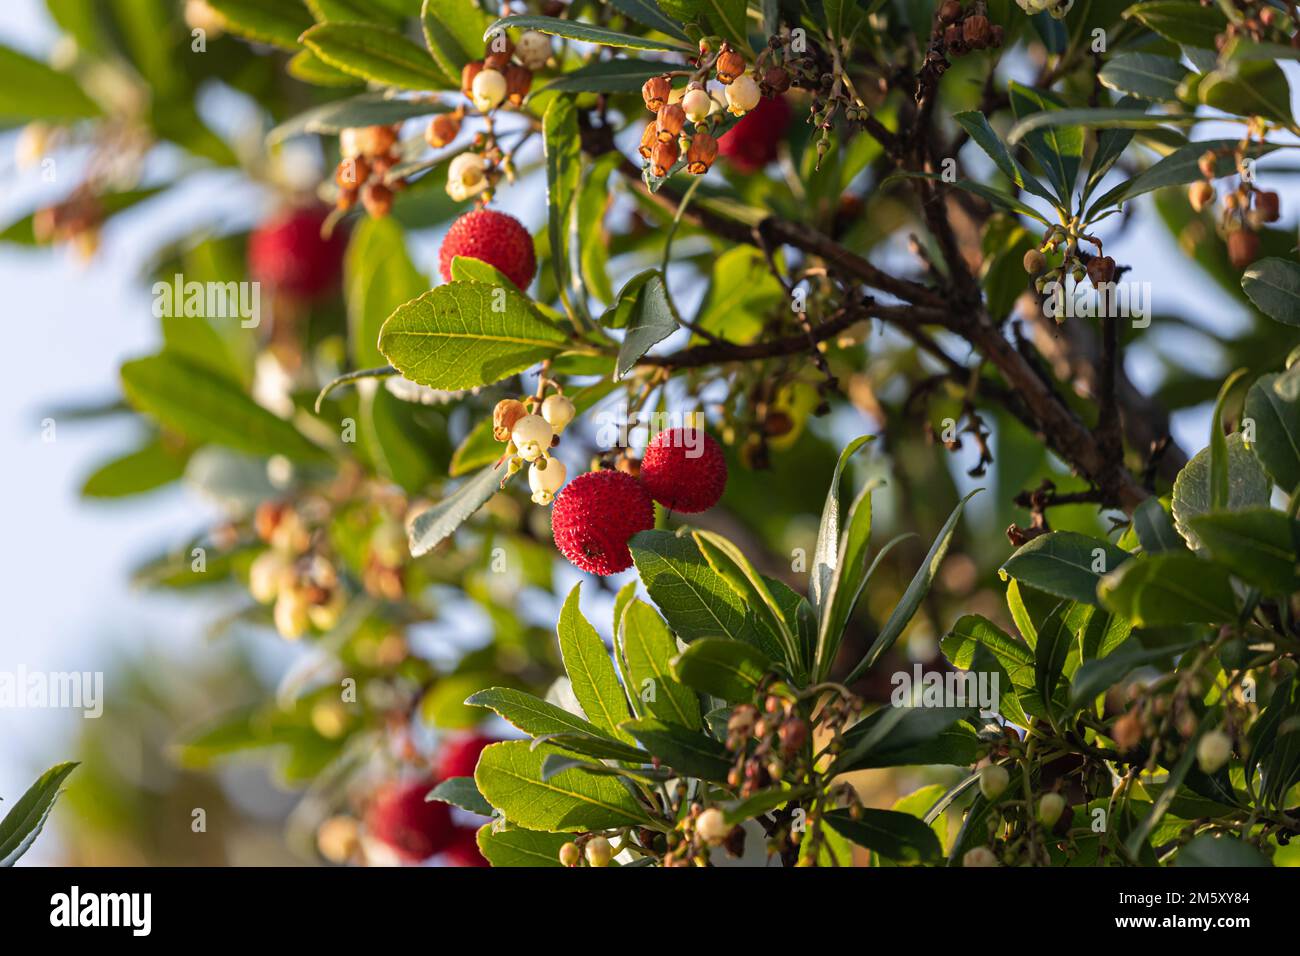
x=289, y=253
x=492, y=237
x=684, y=470
x=415, y=828
x=751, y=143
x=458, y=756
x=594, y=516
x=464, y=850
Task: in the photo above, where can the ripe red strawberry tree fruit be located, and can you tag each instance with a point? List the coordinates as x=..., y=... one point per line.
x=616, y=294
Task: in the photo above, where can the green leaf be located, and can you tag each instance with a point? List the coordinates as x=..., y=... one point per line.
x=1147, y=75
x=982, y=133
x=563, y=150
x=1219, y=462
x=308, y=67
x=760, y=804
x=731, y=564
x=208, y=407
x=726, y=18
x=826, y=553
x=453, y=31
x=897, y=836
x=1014, y=661
x=593, y=202
x=1248, y=486
x=1058, y=149
x=23, y=823
x=1171, y=588
x=848, y=577
x=1259, y=545
x=590, y=669
x=151, y=466
x=1179, y=168
x=509, y=775
x=1273, y=284
x=1111, y=144
x=377, y=54
x=1277, y=431
x=648, y=648
x=1095, y=677
x=721, y=667
x=378, y=278
x=1065, y=564
x=690, y=753
x=602, y=748
x=515, y=846
x=1050, y=654
x=532, y=714
x=467, y=334
x=461, y=792
x=650, y=321
x=902, y=735
x=648, y=14
x=1210, y=850
x=31, y=90
x=435, y=524
x=364, y=109
x=691, y=595
x=1248, y=88
x=586, y=32
x=1182, y=21
x=1155, y=528
x=279, y=24
x=916, y=591
x=621, y=75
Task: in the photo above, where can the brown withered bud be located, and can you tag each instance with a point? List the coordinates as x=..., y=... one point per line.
x=376, y=140
x=949, y=11
x=777, y=424
x=351, y=173
x=702, y=153
x=1101, y=269
x=380, y=165
x=1035, y=262
x=267, y=518
x=996, y=36
x=1200, y=194
x=471, y=70
x=1127, y=731
x=498, y=53
x=730, y=64
x=663, y=157
x=507, y=412
x=519, y=79
x=655, y=91
x=443, y=128
x=648, y=139
x=378, y=199
x=1206, y=164
x=952, y=40
x=669, y=121
x=1243, y=248
x=552, y=8
x=734, y=843
x=776, y=80
x=346, y=199
x=793, y=735
x=1268, y=206
x=976, y=30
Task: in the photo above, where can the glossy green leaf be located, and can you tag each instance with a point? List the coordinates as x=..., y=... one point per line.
x=1276, y=439
x=648, y=649
x=467, y=334
x=1168, y=589
x=377, y=54
x=1259, y=545
x=1064, y=563
x=1273, y=284
x=278, y=24
x=508, y=846
x=898, y=836
x=207, y=407
x=509, y=775
x=585, y=32
x=688, y=752
x=590, y=669
x=826, y=552
x=461, y=792
x=436, y=523
x=721, y=667
x=1147, y=75
x=23, y=821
